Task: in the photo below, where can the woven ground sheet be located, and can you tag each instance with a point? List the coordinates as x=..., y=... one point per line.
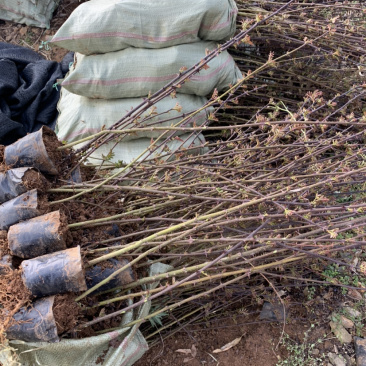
x=122, y=347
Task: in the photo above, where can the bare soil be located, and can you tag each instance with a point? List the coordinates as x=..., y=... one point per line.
x=4, y=249
x=33, y=37
x=13, y=296
x=260, y=342
x=66, y=312
x=3, y=166
x=51, y=144
x=32, y=179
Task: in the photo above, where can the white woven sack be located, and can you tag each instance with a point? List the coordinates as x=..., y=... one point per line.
x=136, y=72
x=81, y=117
x=36, y=13
x=101, y=26
x=127, y=152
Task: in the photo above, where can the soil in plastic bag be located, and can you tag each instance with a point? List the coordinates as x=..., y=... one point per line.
x=101, y=271
x=38, y=236
x=67, y=312
x=55, y=273
x=15, y=182
x=35, y=323
x=37, y=149
x=13, y=296
x=24, y=207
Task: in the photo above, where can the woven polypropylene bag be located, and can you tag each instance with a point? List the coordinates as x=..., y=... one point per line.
x=81, y=117
x=101, y=26
x=36, y=13
x=136, y=72
x=129, y=151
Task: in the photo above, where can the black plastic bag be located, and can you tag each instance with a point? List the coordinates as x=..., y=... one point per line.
x=23, y=207
x=12, y=183
x=38, y=236
x=35, y=323
x=101, y=271
x=55, y=273
x=31, y=151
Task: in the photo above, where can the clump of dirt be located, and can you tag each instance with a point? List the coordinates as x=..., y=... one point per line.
x=35, y=180
x=3, y=166
x=13, y=296
x=63, y=229
x=111, y=323
x=107, y=264
x=51, y=144
x=67, y=312
x=4, y=248
x=42, y=205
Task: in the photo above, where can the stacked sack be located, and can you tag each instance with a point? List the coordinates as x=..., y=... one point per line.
x=126, y=50
x=30, y=12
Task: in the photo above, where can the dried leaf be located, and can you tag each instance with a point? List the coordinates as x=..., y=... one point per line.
x=227, y=346
x=194, y=351
x=185, y=351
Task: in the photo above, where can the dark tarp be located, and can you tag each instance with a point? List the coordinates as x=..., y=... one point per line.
x=28, y=97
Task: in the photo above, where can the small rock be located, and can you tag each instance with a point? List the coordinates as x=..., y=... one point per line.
x=272, y=312
x=354, y=294
x=363, y=268
x=360, y=348
x=347, y=323
x=353, y=313
x=350, y=360
x=337, y=360
x=315, y=352
x=340, y=332
x=23, y=31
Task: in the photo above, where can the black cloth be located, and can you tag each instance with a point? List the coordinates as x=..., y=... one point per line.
x=28, y=97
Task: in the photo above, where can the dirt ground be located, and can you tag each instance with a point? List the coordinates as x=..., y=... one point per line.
x=257, y=341
x=305, y=338
x=32, y=37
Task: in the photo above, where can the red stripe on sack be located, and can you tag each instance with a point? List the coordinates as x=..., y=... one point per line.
x=145, y=37
x=124, y=35
x=121, y=81
x=221, y=25
x=213, y=73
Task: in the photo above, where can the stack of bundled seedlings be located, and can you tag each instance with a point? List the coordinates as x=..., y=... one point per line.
x=278, y=195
